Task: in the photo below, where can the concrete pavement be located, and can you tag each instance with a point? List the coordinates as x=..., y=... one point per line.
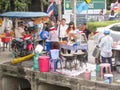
x=7, y=56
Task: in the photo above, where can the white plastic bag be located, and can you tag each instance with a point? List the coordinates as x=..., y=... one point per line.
x=39, y=48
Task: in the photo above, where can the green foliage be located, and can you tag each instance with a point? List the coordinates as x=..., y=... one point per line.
x=94, y=25
x=4, y=5
x=19, y=5
x=45, y=2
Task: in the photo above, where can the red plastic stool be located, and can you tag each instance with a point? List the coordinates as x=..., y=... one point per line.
x=102, y=66
x=6, y=41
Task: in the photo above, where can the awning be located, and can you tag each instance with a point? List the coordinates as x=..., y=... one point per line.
x=24, y=14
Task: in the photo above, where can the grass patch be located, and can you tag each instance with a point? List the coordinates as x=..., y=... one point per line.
x=92, y=26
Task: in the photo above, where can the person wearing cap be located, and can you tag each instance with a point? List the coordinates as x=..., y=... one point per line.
x=53, y=37
x=106, y=47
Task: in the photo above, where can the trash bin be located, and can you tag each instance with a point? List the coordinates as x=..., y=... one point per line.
x=44, y=63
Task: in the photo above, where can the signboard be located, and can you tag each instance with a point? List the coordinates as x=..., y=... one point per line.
x=92, y=5
x=87, y=1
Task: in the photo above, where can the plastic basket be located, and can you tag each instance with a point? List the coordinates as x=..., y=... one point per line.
x=5, y=39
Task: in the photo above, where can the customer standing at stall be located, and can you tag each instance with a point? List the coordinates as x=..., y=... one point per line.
x=106, y=47
x=61, y=29
x=85, y=30
x=70, y=32
x=53, y=37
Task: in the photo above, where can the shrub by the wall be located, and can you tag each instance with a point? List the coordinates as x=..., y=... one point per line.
x=92, y=26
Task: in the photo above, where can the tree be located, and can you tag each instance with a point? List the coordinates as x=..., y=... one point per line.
x=4, y=4
x=43, y=3
x=14, y=5
x=21, y=5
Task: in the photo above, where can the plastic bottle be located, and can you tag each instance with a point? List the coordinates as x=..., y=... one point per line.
x=93, y=75
x=97, y=71
x=36, y=65
x=97, y=68
x=87, y=75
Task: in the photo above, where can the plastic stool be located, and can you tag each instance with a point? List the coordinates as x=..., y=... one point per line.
x=55, y=62
x=102, y=66
x=6, y=41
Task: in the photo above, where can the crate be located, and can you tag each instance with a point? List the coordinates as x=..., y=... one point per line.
x=5, y=39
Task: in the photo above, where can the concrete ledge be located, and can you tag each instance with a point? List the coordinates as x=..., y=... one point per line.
x=36, y=77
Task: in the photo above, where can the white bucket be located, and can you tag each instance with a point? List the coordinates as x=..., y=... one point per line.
x=54, y=53
x=108, y=78
x=38, y=48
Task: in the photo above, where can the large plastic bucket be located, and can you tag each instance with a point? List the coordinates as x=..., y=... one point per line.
x=47, y=46
x=44, y=63
x=54, y=54
x=108, y=78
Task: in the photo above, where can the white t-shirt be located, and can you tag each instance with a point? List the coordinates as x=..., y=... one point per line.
x=18, y=32
x=106, y=46
x=30, y=24
x=62, y=30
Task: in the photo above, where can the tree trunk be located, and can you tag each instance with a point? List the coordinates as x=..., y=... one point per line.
x=41, y=5
x=12, y=6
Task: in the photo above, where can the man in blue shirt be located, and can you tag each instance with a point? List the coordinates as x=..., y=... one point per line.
x=106, y=47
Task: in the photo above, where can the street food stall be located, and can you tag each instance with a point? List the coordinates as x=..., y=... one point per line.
x=38, y=19
x=40, y=16
x=116, y=50
x=78, y=51
x=77, y=45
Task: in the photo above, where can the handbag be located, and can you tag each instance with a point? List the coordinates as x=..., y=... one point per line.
x=96, y=52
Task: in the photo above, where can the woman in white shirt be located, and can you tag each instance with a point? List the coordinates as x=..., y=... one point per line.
x=71, y=32
x=112, y=15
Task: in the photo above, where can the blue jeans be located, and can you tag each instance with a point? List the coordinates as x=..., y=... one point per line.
x=109, y=60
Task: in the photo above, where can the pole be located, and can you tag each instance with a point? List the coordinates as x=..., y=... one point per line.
x=74, y=11
x=59, y=10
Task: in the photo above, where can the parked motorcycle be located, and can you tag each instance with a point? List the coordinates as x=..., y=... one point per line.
x=22, y=46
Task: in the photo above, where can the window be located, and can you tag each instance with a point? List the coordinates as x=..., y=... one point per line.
x=116, y=28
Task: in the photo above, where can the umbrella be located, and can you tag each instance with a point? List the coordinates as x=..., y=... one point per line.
x=17, y=14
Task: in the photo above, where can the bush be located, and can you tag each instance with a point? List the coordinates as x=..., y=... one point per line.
x=92, y=26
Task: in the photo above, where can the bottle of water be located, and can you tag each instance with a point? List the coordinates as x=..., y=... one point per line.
x=93, y=75
x=36, y=65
